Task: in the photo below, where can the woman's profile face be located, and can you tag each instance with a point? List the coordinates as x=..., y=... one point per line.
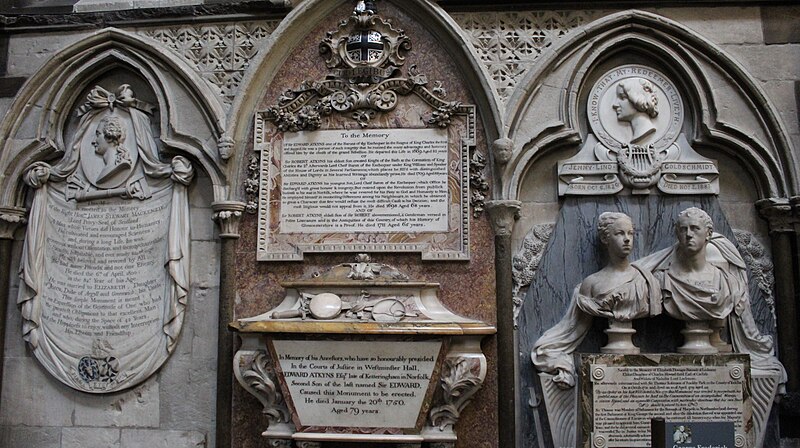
x=623, y=106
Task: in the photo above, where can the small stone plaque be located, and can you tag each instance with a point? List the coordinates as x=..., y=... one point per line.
x=620, y=394
x=357, y=384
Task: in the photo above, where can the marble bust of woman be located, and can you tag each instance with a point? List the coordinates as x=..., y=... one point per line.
x=620, y=291
x=636, y=103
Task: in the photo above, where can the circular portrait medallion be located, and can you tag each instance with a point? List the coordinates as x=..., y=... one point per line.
x=635, y=105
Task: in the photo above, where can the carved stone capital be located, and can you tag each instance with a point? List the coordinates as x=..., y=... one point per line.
x=10, y=219
x=227, y=215
x=502, y=215
x=780, y=213
x=253, y=370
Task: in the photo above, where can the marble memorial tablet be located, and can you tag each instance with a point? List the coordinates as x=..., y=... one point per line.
x=376, y=190
x=357, y=384
x=620, y=395
x=105, y=272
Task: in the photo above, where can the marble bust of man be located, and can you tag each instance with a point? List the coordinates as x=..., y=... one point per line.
x=696, y=286
x=109, y=137
x=636, y=103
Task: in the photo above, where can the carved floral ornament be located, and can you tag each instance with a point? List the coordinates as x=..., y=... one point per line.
x=369, y=86
x=636, y=142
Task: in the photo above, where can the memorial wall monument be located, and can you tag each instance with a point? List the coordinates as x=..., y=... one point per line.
x=105, y=269
x=371, y=158
x=637, y=150
x=398, y=223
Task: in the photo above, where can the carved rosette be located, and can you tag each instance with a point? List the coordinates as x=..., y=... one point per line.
x=782, y=214
x=227, y=215
x=502, y=215
x=10, y=219
x=253, y=370
x=462, y=376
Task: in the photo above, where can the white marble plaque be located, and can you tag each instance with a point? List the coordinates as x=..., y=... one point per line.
x=104, y=268
x=364, y=190
x=357, y=384
x=624, y=399
x=386, y=180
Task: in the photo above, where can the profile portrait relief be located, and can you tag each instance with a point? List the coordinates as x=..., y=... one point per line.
x=636, y=103
x=108, y=144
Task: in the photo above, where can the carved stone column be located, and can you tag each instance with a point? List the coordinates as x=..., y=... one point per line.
x=227, y=215
x=10, y=220
x=783, y=217
x=503, y=214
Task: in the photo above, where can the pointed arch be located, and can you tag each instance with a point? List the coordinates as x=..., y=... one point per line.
x=293, y=31
x=755, y=137
x=32, y=128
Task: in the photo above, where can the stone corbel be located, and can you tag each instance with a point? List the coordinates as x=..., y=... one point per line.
x=225, y=146
x=463, y=375
x=782, y=214
x=10, y=219
x=253, y=370
x=227, y=215
x=502, y=215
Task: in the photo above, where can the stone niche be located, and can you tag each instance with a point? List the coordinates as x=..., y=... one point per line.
x=105, y=266
x=361, y=353
x=640, y=239
x=367, y=140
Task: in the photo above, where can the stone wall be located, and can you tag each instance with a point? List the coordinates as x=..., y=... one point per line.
x=176, y=407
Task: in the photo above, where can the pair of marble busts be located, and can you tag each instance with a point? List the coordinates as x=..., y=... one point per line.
x=700, y=280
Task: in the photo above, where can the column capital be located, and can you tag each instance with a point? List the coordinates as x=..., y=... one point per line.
x=502, y=215
x=10, y=219
x=227, y=215
x=782, y=214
